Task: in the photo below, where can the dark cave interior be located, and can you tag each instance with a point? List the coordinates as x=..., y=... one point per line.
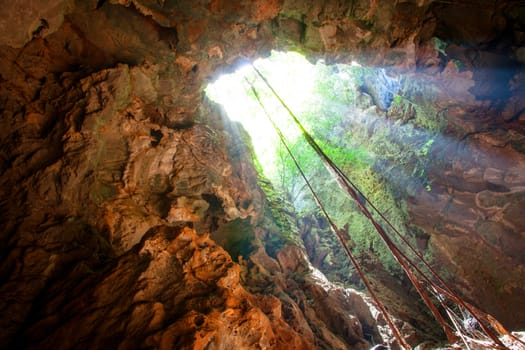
x=134, y=214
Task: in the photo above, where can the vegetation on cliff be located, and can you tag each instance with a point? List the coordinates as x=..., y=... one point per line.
x=374, y=126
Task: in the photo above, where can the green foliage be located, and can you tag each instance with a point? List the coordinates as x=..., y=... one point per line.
x=280, y=220
x=357, y=157
x=426, y=147
x=440, y=45
x=333, y=120
x=385, y=157
x=398, y=99
x=421, y=96
x=459, y=65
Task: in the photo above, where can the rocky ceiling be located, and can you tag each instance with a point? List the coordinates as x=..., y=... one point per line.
x=114, y=168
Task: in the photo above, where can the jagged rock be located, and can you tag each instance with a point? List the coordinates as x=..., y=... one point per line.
x=23, y=21
x=115, y=171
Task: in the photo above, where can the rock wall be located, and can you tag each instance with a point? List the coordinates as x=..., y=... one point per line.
x=107, y=218
x=115, y=173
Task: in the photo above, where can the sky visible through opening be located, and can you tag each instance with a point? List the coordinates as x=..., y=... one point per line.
x=292, y=76
x=380, y=153
x=329, y=102
x=383, y=156
x=299, y=83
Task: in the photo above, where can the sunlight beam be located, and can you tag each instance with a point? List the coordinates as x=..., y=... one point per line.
x=294, y=76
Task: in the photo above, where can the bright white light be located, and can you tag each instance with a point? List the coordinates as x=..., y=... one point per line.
x=291, y=75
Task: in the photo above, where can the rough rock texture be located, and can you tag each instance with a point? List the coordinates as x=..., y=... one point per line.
x=115, y=171
x=104, y=249
x=475, y=213
x=173, y=290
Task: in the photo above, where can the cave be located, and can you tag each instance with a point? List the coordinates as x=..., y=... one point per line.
x=135, y=213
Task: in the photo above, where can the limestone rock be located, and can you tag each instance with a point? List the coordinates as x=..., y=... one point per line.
x=22, y=21
x=118, y=179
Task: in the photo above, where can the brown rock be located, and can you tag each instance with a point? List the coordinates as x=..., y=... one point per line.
x=110, y=153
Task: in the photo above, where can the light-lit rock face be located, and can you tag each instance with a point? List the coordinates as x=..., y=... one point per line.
x=122, y=186
x=113, y=245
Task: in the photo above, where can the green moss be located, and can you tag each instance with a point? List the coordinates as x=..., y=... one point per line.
x=387, y=158
x=397, y=99
x=440, y=45
x=280, y=220
x=459, y=65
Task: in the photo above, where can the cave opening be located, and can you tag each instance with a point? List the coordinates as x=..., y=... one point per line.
x=382, y=129
x=365, y=119
x=133, y=213
x=294, y=74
